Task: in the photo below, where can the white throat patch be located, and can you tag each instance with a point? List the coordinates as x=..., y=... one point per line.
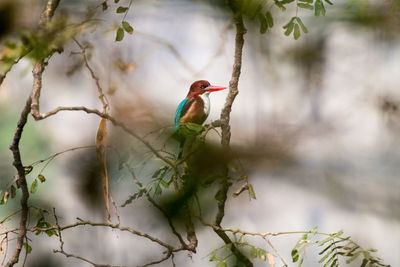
x=206, y=100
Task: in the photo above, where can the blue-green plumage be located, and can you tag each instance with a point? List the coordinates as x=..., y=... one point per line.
x=178, y=113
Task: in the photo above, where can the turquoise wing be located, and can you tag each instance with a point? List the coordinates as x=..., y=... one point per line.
x=178, y=113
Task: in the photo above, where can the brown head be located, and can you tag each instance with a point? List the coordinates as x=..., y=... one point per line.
x=202, y=86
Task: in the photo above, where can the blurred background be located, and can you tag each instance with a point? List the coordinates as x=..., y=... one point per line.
x=316, y=123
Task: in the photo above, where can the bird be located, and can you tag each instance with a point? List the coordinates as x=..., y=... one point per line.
x=195, y=108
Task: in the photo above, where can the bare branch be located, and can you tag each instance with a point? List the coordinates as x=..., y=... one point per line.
x=116, y=123
x=109, y=225
x=226, y=133
x=39, y=67
x=68, y=255
x=62, y=251
x=102, y=96
x=169, y=254
x=21, y=179
x=21, y=182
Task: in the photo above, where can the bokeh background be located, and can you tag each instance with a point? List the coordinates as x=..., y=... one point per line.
x=316, y=123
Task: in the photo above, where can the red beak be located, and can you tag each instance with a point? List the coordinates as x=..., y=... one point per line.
x=213, y=88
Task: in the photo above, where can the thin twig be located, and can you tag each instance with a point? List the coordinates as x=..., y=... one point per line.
x=102, y=97
x=62, y=251
x=169, y=254
x=109, y=225
x=6, y=250
x=115, y=209
x=219, y=50
x=155, y=204
x=68, y=255
x=170, y=46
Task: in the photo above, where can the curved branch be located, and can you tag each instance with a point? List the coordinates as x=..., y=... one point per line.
x=45, y=17
x=21, y=182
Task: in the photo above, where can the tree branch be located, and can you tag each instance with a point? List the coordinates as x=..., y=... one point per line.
x=45, y=17
x=21, y=182
x=169, y=253
x=226, y=132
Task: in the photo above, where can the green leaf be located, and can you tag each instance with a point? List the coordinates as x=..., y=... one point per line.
x=302, y=26
x=127, y=27
x=319, y=8
x=326, y=255
x=213, y=256
x=41, y=178
x=355, y=256
x=27, y=247
x=263, y=22
x=262, y=254
x=295, y=255
x=307, y=1
x=51, y=232
x=296, y=33
x=34, y=186
x=269, y=18
x=280, y=5
x=289, y=29
x=116, y=1
x=287, y=1
x=122, y=9
x=305, y=6
x=329, y=2
x=221, y=264
x=158, y=190
x=13, y=191
x=331, y=237
x=253, y=252
x=364, y=262
x=251, y=192
x=164, y=183
x=120, y=35
x=157, y=172
x=28, y=169
x=134, y=196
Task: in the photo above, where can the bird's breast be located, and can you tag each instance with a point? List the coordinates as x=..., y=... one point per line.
x=198, y=111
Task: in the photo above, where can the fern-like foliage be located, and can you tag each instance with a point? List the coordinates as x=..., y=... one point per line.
x=334, y=247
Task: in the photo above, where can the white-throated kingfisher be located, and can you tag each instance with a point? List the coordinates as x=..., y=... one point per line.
x=196, y=106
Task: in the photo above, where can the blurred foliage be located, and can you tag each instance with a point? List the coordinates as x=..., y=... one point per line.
x=34, y=144
x=7, y=18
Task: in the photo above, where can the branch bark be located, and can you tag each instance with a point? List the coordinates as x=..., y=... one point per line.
x=226, y=132
x=21, y=182
x=45, y=17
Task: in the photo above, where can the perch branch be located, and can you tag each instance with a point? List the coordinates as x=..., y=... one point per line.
x=226, y=132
